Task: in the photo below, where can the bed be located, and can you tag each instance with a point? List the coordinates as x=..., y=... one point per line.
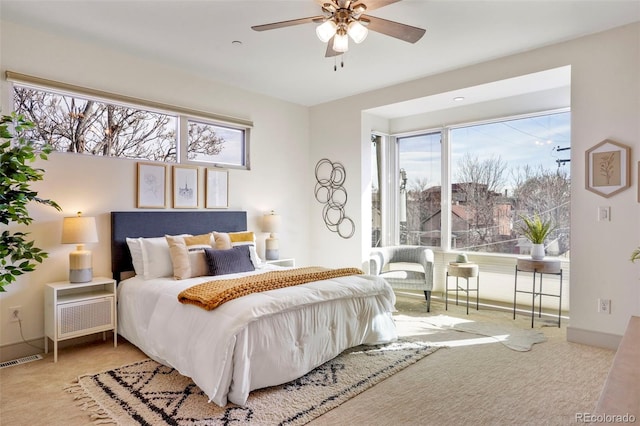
x=255, y=341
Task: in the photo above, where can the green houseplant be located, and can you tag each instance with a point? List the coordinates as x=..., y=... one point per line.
x=635, y=255
x=17, y=254
x=536, y=230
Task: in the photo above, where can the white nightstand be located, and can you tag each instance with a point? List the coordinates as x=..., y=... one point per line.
x=282, y=262
x=78, y=309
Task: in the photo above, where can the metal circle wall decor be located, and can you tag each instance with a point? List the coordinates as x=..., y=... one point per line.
x=329, y=190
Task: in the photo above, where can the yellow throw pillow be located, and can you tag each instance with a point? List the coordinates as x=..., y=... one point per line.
x=187, y=255
x=198, y=240
x=242, y=237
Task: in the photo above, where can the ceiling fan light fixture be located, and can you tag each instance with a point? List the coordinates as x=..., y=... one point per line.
x=357, y=31
x=326, y=30
x=341, y=42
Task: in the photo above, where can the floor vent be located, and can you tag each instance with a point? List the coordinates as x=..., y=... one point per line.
x=20, y=361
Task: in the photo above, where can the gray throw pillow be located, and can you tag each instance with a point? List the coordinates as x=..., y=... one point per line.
x=231, y=261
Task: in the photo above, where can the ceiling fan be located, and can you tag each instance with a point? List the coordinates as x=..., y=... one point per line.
x=345, y=18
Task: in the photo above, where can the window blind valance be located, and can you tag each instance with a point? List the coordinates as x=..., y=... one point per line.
x=94, y=93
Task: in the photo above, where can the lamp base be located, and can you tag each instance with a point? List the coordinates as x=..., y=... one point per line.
x=80, y=266
x=80, y=275
x=271, y=251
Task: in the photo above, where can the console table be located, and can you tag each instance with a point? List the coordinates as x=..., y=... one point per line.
x=538, y=268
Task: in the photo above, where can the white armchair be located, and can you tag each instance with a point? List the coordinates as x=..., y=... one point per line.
x=402, y=279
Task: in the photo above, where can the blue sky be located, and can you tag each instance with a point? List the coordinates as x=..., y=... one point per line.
x=531, y=141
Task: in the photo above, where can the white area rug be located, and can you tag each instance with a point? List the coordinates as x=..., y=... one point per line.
x=148, y=393
x=511, y=336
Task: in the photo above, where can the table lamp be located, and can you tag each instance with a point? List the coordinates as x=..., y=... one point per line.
x=79, y=230
x=271, y=224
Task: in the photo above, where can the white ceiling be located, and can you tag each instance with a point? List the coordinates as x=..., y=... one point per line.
x=289, y=63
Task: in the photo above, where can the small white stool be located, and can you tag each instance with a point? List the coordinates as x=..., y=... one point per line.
x=466, y=271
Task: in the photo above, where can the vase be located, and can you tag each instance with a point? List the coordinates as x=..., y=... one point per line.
x=537, y=252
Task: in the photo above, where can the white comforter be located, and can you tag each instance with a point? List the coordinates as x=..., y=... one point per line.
x=259, y=340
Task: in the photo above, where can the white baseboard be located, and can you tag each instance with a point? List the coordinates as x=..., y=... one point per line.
x=593, y=338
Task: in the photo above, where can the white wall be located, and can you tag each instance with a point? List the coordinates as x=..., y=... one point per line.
x=605, y=101
x=97, y=185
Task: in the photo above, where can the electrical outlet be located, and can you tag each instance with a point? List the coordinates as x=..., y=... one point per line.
x=14, y=313
x=604, y=306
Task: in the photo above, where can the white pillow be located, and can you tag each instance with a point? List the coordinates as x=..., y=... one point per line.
x=156, y=259
x=135, y=248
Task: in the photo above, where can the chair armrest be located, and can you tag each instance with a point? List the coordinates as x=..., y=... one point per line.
x=376, y=262
x=427, y=261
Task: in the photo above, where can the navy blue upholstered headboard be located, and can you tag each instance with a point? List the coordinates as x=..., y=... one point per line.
x=146, y=224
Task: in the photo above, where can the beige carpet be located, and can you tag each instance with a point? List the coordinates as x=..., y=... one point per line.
x=149, y=393
x=471, y=382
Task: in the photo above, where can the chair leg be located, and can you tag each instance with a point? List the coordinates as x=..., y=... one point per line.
x=427, y=295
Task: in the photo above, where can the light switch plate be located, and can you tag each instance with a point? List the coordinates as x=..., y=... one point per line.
x=604, y=214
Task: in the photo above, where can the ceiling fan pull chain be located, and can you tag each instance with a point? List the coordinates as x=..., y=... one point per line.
x=335, y=62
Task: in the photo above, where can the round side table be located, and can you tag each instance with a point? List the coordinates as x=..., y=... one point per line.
x=466, y=271
x=547, y=266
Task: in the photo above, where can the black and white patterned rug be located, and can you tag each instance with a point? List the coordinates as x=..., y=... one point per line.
x=148, y=393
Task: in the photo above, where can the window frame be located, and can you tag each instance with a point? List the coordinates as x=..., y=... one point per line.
x=393, y=161
x=183, y=115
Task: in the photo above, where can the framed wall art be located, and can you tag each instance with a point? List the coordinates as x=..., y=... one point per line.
x=217, y=189
x=608, y=168
x=185, y=187
x=151, y=186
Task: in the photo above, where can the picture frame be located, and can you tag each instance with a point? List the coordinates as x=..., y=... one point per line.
x=151, y=186
x=185, y=187
x=608, y=168
x=216, y=189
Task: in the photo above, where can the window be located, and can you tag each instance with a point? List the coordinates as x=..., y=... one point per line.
x=499, y=171
x=376, y=201
x=506, y=169
x=420, y=159
x=84, y=121
x=212, y=143
x=84, y=126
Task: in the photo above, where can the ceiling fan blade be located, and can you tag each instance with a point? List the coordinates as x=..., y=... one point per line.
x=330, y=52
x=400, y=31
x=375, y=4
x=290, y=23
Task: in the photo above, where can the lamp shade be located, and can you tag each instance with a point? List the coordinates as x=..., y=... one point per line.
x=326, y=30
x=271, y=223
x=341, y=42
x=79, y=230
x=357, y=31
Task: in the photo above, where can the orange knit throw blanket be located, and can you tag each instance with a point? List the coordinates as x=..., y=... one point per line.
x=212, y=294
